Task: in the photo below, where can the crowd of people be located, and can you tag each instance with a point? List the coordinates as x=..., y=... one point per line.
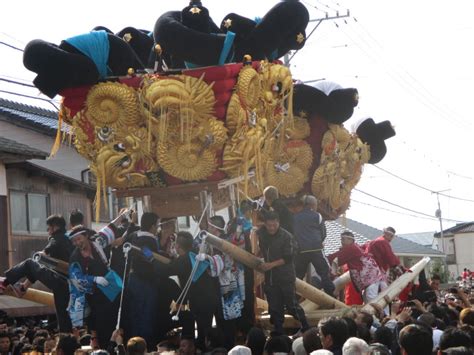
x=116, y=302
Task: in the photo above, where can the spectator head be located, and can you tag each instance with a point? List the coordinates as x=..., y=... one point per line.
x=435, y=282
x=277, y=344
x=322, y=352
x=365, y=319
x=355, y=346
x=467, y=316
x=428, y=319
x=184, y=243
x=347, y=238
x=168, y=227
x=309, y=201
x=38, y=343
x=49, y=346
x=136, y=346
x=383, y=335
x=378, y=349
x=165, y=346
x=468, y=329
x=246, y=208
x=351, y=326
x=149, y=222
x=312, y=340
x=333, y=332
x=215, y=338
x=76, y=218
x=5, y=343
x=256, y=340
x=364, y=333
x=389, y=233
x=216, y=225
x=85, y=339
x=458, y=350
x=67, y=344
x=453, y=337
x=270, y=193
x=272, y=222
x=187, y=346
x=298, y=347
x=415, y=340
x=240, y=350
x=55, y=223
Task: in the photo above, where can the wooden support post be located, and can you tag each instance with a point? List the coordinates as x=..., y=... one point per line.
x=302, y=288
x=34, y=295
x=397, y=286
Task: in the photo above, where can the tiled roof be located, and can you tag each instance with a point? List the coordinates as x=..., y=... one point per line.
x=400, y=246
x=467, y=227
x=425, y=238
x=32, y=117
x=332, y=242
x=13, y=147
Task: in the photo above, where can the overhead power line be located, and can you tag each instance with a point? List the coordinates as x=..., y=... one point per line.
x=405, y=208
x=398, y=212
x=17, y=82
x=11, y=46
x=29, y=96
x=421, y=187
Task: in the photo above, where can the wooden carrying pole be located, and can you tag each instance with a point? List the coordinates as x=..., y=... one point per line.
x=302, y=288
x=341, y=282
x=33, y=295
x=52, y=263
x=397, y=286
x=162, y=259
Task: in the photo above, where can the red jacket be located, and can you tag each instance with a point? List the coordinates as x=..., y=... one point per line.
x=349, y=255
x=381, y=251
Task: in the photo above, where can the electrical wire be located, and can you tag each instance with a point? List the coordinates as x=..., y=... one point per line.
x=11, y=46
x=398, y=212
x=405, y=208
x=422, y=187
x=17, y=82
x=31, y=97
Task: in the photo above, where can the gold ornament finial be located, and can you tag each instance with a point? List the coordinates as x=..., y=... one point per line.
x=158, y=49
x=247, y=59
x=227, y=23
x=131, y=71
x=195, y=10
x=127, y=37
x=300, y=38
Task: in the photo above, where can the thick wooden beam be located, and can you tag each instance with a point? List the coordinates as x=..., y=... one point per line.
x=397, y=286
x=34, y=295
x=313, y=318
x=302, y=288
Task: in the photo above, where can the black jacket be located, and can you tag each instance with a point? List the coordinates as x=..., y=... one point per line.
x=59, y=246
x=274, y=247
x=140, y=267
x=284, y=214
x=203, y=294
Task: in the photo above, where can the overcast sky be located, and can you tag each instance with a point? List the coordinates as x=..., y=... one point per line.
x=412, y=62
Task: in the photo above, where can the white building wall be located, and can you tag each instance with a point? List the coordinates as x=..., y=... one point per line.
x=464, y=245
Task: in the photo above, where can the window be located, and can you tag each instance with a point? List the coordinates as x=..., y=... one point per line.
x=18, y=216
x=28, y=212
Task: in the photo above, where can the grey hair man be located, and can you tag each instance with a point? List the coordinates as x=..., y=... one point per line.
x=310, y=232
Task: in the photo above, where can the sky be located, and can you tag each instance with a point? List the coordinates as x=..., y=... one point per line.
x=411, y=61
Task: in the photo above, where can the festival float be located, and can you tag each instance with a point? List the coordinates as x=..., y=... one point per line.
x=197, y=116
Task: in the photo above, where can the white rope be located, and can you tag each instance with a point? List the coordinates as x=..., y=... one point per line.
x=184, y=292
x=119, y=314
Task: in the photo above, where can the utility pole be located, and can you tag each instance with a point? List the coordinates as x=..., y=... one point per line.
x=438, y=215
